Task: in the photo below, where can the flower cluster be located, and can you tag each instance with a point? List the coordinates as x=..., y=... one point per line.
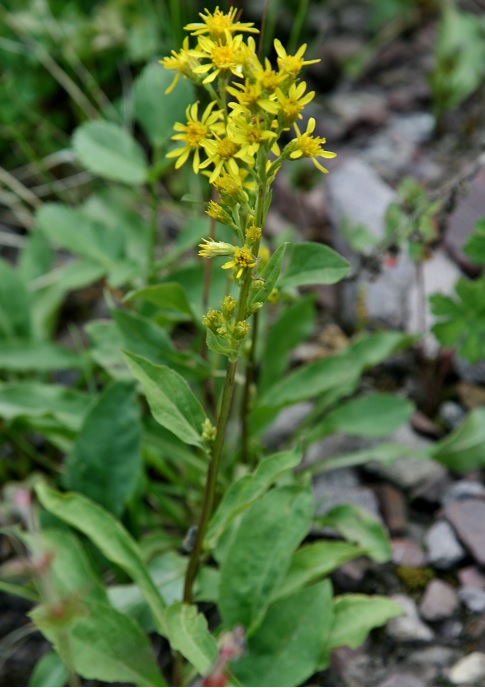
x=234, y=139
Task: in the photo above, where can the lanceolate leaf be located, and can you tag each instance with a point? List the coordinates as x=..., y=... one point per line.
x=269, y=275
x=356, y=615
x=464, y=449
x=190, y=636
x=171, y=401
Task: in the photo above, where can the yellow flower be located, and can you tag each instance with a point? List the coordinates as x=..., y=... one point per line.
x=223, y=154
x=249, y=134
x=268, y=78
x=194, y=134
x=225, y=57
x=209, y=248
x=308, y=146
x=243, y=260
x=217, y=213
x=251, y=98
x=218, y=23
x=253, y=234
x=292, y=103
x=182, y=61
x=291, y=65
x=230, y=189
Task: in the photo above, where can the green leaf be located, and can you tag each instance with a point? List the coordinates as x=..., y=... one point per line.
x=269, y=275
x=386, y=453
x=294, y=325
x=315, y=561
x=109, y=536
x=190, y=636
x=313, y=263
x=105, y=462
x=373, y=415
x=109, y=151
x=71, y=571
x=356, y=615
x=220, y=346
x=14, y=304
x=360, y=527
x=50, y=670
x=475, y=245
x=71, y=229
x=171, y=401
x=260, y=552
x=104, y=644
x=33, y=399
x=242, y=493
x=45, y=356
x=285, y=650
x=156, y=110
x=464, y=449
x=169, y=297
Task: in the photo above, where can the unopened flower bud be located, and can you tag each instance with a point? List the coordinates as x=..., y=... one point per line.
x=208, y=432
x=217, y=212
x=228, y=307
x=213, y=320
x=241, y=329
x=254, y=307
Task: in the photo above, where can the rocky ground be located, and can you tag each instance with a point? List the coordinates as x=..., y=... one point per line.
x=380, y=124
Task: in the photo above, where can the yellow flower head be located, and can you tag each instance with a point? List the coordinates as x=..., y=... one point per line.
x=230, y=189
x=268, y=78
x=308, y=146
x=251, y=99
x=243, y=260
x=253, y=234
x=209, y=248
x=249, y=134
x=291, y=65
x=184, y=62
x=224, y=154
x=194, y=134
x=292, y=103
x=218, y=23
x=217, y=213
x=225, y=57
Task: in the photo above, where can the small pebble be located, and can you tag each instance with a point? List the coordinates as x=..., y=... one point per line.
x=469, y=670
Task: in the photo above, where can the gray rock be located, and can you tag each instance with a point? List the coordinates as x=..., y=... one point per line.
x=408, y=628
x=452, y=414
x=431, y=662
x=439, y=602
x=463, y=489
x=359, y=196
x=444, y=549
x=473, y=373
x=402, y=678
x=467, y=518
x=342, y=487
x=473, y=599
x=285, y=424
x=471, y=577
x=407, y=552
x=469, y=670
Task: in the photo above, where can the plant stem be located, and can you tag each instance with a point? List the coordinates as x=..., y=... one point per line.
x=246, y=399
x=215, y=461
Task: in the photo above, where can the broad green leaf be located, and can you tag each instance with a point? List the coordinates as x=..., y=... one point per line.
x=71, y=229
x=260, y=553
x=373, y=415
x=105, y=462
x=169, y=297
x=34, y=399
x=50, y=670
x=110, y=152
x=294, y=325
x=43, y=356
x=156, y=110
x=360, y=527
x=220, y=346
x=286, y=648
x=14, y=304
x=171, y=401
x=104, y=644
x=313, y=263
x=315, y=561
x=356, y=615
x=36, y=257
x=109, y=536
x=269, y=275
x=464, y=449
x=190, y=636
x=242, y=493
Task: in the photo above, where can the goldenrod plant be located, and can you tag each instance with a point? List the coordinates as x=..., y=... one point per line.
x=177, y=500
